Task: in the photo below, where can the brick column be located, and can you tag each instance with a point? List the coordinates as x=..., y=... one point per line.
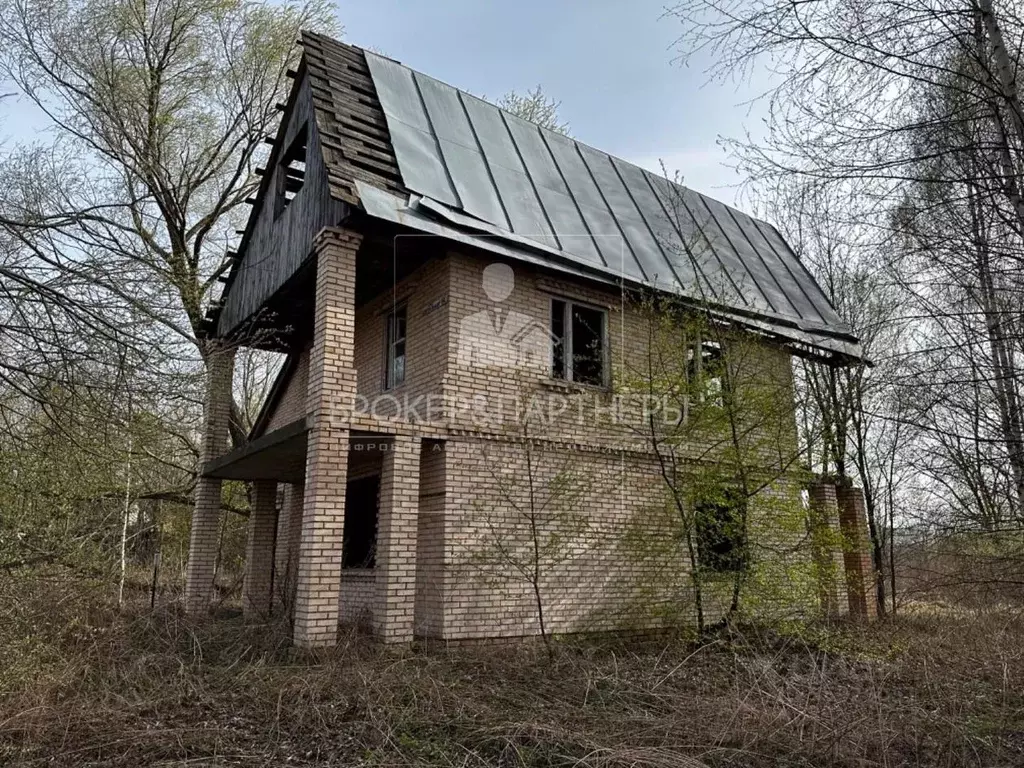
x=825, y=544
x=289, y=527
x=259, y=551
x=396, y=540
x=331, y=394
x=856, y=553
x=203, y=542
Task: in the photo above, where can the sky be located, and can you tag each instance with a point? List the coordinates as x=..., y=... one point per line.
x=609, y=62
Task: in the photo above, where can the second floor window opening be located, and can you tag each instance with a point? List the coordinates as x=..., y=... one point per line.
x=579, y=343
x=394, y=368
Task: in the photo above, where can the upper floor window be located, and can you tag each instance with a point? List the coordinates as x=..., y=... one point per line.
x=704, y=371
x=291, y=171
x=394, y=345
x=579, y=343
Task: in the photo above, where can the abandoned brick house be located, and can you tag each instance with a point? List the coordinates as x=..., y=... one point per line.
x=411, y=244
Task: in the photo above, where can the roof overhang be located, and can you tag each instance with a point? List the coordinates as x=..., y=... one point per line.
x=425, y=216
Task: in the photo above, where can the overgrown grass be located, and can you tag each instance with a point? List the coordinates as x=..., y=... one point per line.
x=84, y=685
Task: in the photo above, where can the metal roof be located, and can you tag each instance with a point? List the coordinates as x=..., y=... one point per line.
x=475, y=164
x=411, y=150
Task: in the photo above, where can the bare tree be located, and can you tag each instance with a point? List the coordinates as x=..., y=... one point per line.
x=912, y=111
x=848, y=413
x=537, y=107
x=533, y=521
x=160, y=110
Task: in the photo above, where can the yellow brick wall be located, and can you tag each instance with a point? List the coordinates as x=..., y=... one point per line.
x=424, y=295
x=292, y=404
x=618, y=562
x=587, y=418
x=595, y=569
x=356, y=606
x=622, y=564
x=330, y=393
x=430, y=540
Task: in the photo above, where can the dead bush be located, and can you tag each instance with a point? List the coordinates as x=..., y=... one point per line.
x=93, y=687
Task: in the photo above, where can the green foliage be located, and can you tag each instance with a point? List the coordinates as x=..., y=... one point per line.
x=721, y=534
x=719, y=418
x=64, y=473
x=532, y=521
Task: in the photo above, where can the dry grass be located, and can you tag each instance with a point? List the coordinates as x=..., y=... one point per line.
x=81, y=685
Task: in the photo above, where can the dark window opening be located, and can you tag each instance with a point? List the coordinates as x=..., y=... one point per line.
x=704, y=371
x=394, y=365
x=578, y=343
x=721, y=535
x=359, y=539
x=291, y=171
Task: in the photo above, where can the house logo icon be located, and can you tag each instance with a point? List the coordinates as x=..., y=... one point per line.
x=500, y=336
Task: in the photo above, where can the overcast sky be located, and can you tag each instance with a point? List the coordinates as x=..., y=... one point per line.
x=609, y=62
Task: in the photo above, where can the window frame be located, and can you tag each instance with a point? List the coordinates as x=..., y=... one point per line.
x=567, y=341
x=389, y=383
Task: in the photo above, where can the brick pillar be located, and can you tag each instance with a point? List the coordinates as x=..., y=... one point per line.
x=396, y=540
x=259, y=551
x=289, y=528
x=860, y=574
x=826, y=544
x=204, y=538
x=331, y=394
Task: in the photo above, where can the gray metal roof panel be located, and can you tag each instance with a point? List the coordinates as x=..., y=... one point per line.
x=536, y=155
x=586, y=205
x=747, y=257
x=491, y=133
x=567, y=220
x=664, y=232
x=522, y=205
x=422, y=165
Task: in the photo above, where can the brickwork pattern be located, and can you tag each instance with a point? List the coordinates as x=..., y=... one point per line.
x=292, y=405
x=204, y=536
x=605, y=560
x=612, y=556
x=436, y=576
x=259, y=552
x=860, y=573
x=332, y=387
x=357, y=605
x=286, y=553
x=358, y=602
x=589, y=420
x=826, y=545
x=396, y=540
x=424, y=294
x=430, y=541
x=624, y=567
